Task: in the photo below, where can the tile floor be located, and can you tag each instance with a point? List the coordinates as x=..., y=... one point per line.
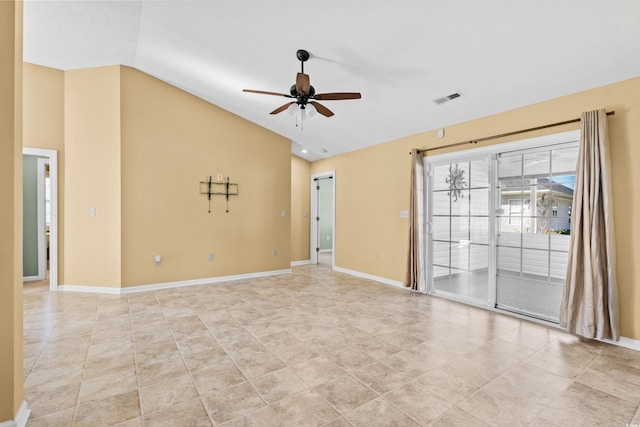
x=314, y=348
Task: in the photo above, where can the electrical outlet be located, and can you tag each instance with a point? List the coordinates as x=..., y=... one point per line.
x=284, y=212
x=210, y=256
x=92, y=212
x=274, y=252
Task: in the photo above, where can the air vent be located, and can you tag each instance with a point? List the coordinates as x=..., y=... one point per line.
x=440, y=101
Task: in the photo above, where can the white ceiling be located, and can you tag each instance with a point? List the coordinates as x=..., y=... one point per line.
x=501, y=54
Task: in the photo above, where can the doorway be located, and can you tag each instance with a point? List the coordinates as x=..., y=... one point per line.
x=499, y=223
x=43, y=252
x=35, y=221
x=323, y=219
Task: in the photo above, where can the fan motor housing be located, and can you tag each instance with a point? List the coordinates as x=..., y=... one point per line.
x=295, y=94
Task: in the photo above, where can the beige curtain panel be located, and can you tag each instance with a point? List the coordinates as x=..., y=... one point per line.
x=590, y=301
x=415, y=265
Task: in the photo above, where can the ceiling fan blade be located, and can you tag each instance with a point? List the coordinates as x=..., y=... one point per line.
x=336, y=96
x=322, y=109
x=282, y=108
x=267, y=93
x=302, y=83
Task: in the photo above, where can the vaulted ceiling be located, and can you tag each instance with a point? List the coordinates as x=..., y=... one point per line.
x=500, y=54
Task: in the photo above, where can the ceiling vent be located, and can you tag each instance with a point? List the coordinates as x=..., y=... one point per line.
x=440, y=101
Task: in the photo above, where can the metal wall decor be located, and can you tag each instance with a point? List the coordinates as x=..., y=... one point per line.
x=218, y=188
x=456, y=181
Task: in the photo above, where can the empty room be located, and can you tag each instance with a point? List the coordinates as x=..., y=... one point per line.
x=246, y=213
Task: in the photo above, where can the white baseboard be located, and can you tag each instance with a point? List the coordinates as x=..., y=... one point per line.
x=383, y=280
x=298, y=263
x=626, y=343
x=90, y=289
x=168, y=285
x=21, y=417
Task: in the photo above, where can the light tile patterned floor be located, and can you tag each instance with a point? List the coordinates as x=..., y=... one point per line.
x=314, y=348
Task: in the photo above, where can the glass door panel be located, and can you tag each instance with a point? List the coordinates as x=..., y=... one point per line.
x=459, y=208
x=535, y=191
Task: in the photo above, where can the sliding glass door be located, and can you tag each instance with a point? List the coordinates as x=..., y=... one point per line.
x=498, y=224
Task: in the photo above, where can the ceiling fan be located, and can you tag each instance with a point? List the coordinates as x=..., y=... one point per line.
x=303, y=93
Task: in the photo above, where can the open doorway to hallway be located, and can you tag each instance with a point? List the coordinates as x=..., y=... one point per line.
x=40, y=219
x=323, y=219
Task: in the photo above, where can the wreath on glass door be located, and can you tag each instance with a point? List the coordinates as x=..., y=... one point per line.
x=456, y=181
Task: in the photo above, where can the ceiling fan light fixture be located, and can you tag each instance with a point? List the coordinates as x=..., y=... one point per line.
x=311, y=111
x=303, y=93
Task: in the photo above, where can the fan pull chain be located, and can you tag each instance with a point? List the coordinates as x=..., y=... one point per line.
x=300, y=116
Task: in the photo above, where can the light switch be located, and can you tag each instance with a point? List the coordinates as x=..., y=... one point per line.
x=92, y=211
x=284, y=212
x=404, y=214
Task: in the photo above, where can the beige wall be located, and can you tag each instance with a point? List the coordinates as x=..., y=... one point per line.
x=373, y=183
x=171, y=141
x=92, y=251
x=300, y=203
x=11, y=357
x=134, y=149
x=43, y=127
x=371, y=190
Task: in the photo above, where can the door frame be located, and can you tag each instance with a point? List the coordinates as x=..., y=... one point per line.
x=52, y=156
x=42, y=226
x=314, y=244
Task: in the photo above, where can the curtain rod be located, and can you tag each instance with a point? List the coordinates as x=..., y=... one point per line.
x=486, y=138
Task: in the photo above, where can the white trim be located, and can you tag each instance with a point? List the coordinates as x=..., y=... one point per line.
x=53, y=229
x=313, y=241
x=379, y=279
x=21, y=417
x=42, y=227
x=626, y=343
x=298, y=263
x=90, y=289
x=32, y=278
x=168, y=285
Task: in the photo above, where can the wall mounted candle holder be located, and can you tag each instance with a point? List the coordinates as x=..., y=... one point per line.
x=218, y=188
